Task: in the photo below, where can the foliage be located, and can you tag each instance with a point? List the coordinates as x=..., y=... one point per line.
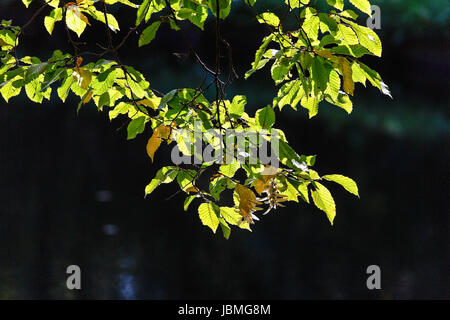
x=317, y=60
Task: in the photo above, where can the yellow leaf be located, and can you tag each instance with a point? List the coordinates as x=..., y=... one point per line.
x=79, y=61
x=269, y=172
x=162, y=132
x=208, y=216
x=126, y=2
x=324, y=201
x=247, y=202
x=88, y=97
x=152, y=103
x=191, y=189
x=326, y=54
x=346, y=70
x=84, y=18
x=260, y=186
x=232, y=216
x=75, y=20
x=83, y=77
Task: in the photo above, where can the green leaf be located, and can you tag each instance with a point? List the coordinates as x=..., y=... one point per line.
x=185, y=179
x=104, y=81
x=225, y=228
x=368, y=38
x=27, y=2
x=100, y=16
x=121, y=108
x=63, y=91
x=35, y=70
x=346, y=35
x=343, y=101
x=233, y=217
x=149, y=33
x=208, y=216
x=10, y=90
x=168, y=174
x=142, y=11
x=344, y=181
x=75, y=20
x=268, y=18
x=224, y=8
x=50, y=20
x=320, y=74
x=280, y=69
x=125, y=2
x=152, y=186
x=290, y=93
x=334, y=85
x=358, y=74
x=135, y=86
x=311, y=103
x=296, y=3
x=323, y=200
x=7, y=39
x=311, y=27
x=164, y=175
x=217, y=186
x=197, y=15
x=265, y=117
x=237, y=106
x=338, y=4
x=53, y=3
x=363, y=5
x=327, y=24
x=229, y=170
x=259, y=53
x=33, y=90
x=53, y=77
x=188, y=201
x=289, y=157
x=135, y=127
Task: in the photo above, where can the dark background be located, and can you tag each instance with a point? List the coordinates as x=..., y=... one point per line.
x=71, y=186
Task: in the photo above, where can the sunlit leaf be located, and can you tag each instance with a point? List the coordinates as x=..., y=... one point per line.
x=323, y=200
x=149, y=33
x=363, y=5
x=208, y=216
x=75, y=20
x=344, y=181
x=160, y=133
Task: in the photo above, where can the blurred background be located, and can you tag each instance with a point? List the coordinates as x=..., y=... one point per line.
x=72, y=187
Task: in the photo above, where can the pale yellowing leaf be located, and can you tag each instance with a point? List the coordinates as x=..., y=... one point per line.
x=208, y=216
x=126, y=2
x=344, y=181
x=363, y=5
x=232, y=216
x=150, y=102
x=75, y=20
x=324, y=201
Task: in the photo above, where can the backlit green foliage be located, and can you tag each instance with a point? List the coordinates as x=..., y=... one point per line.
x=317, y=60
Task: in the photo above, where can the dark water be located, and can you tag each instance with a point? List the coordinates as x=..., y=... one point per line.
x=71, y=192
